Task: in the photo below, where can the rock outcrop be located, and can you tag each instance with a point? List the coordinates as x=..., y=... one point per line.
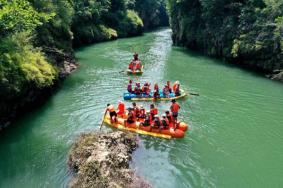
x=102, y=160
x=277, y=75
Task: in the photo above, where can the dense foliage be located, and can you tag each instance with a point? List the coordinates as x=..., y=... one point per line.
x=153, y=13
x=100, y=20
x=20, y=62
x=248, y=32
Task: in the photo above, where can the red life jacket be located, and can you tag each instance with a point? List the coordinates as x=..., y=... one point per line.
x=154, y=111
x=138, y=65
x=121, y=108
x=169, y=117
x=156, y=87
x=136, y=111
x=130, y=89
x=142, y=111
x=175, y=107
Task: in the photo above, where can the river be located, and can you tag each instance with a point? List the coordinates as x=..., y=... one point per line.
x=236, y=124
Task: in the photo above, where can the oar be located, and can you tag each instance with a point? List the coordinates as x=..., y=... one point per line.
x=195, y=94
x=102, y=120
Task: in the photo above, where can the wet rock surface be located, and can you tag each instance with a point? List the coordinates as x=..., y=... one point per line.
x=277, y=75
x=102, y=160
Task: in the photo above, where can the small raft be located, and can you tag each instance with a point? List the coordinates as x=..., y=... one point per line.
x=144, y=97
x=179, y=132
x=136, y=72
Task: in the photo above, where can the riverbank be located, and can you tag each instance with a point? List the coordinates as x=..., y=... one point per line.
x=33, y=96
x=102, y=160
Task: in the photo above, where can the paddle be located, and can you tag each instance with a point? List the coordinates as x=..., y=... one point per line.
x=195, y=94
x=102, y=120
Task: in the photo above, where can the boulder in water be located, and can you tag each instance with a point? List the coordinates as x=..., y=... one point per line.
x=102, y=160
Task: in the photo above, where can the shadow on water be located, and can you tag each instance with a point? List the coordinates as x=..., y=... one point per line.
x=221, y=62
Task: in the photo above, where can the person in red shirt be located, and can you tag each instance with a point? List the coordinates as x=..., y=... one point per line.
x=130, y=87
x=169, y=116
x=145, y=88
x=131, y=117
x=142, y=113
x=175, y=109
x=136, y=110
x=121, y=109
x=153, y=111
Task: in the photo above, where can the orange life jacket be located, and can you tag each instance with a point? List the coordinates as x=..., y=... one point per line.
x=175, y=87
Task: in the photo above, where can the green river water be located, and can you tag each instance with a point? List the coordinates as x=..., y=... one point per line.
x=236, y=124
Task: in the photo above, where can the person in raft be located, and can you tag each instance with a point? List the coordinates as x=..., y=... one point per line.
x=138, y=90
x=135, y=63
x=142, y=114
x=132, y=64
x=176, y=88
x=112, y=113
x=175, y=107
x=131, y=117
x=169, y=87
x=156, y=93
x=147, y=119
x=121, y=109
x=146, y=88
x=157, y=122
x=166, y=91
x=164, y=122
x=169, y=116
x=130, y=86
x=136, y=110
x=153, y=111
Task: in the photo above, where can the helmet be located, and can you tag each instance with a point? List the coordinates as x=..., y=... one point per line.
x=177, y=82
x=163, y=115
x=156, y=116
x=142, y=106
x=148, y=112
